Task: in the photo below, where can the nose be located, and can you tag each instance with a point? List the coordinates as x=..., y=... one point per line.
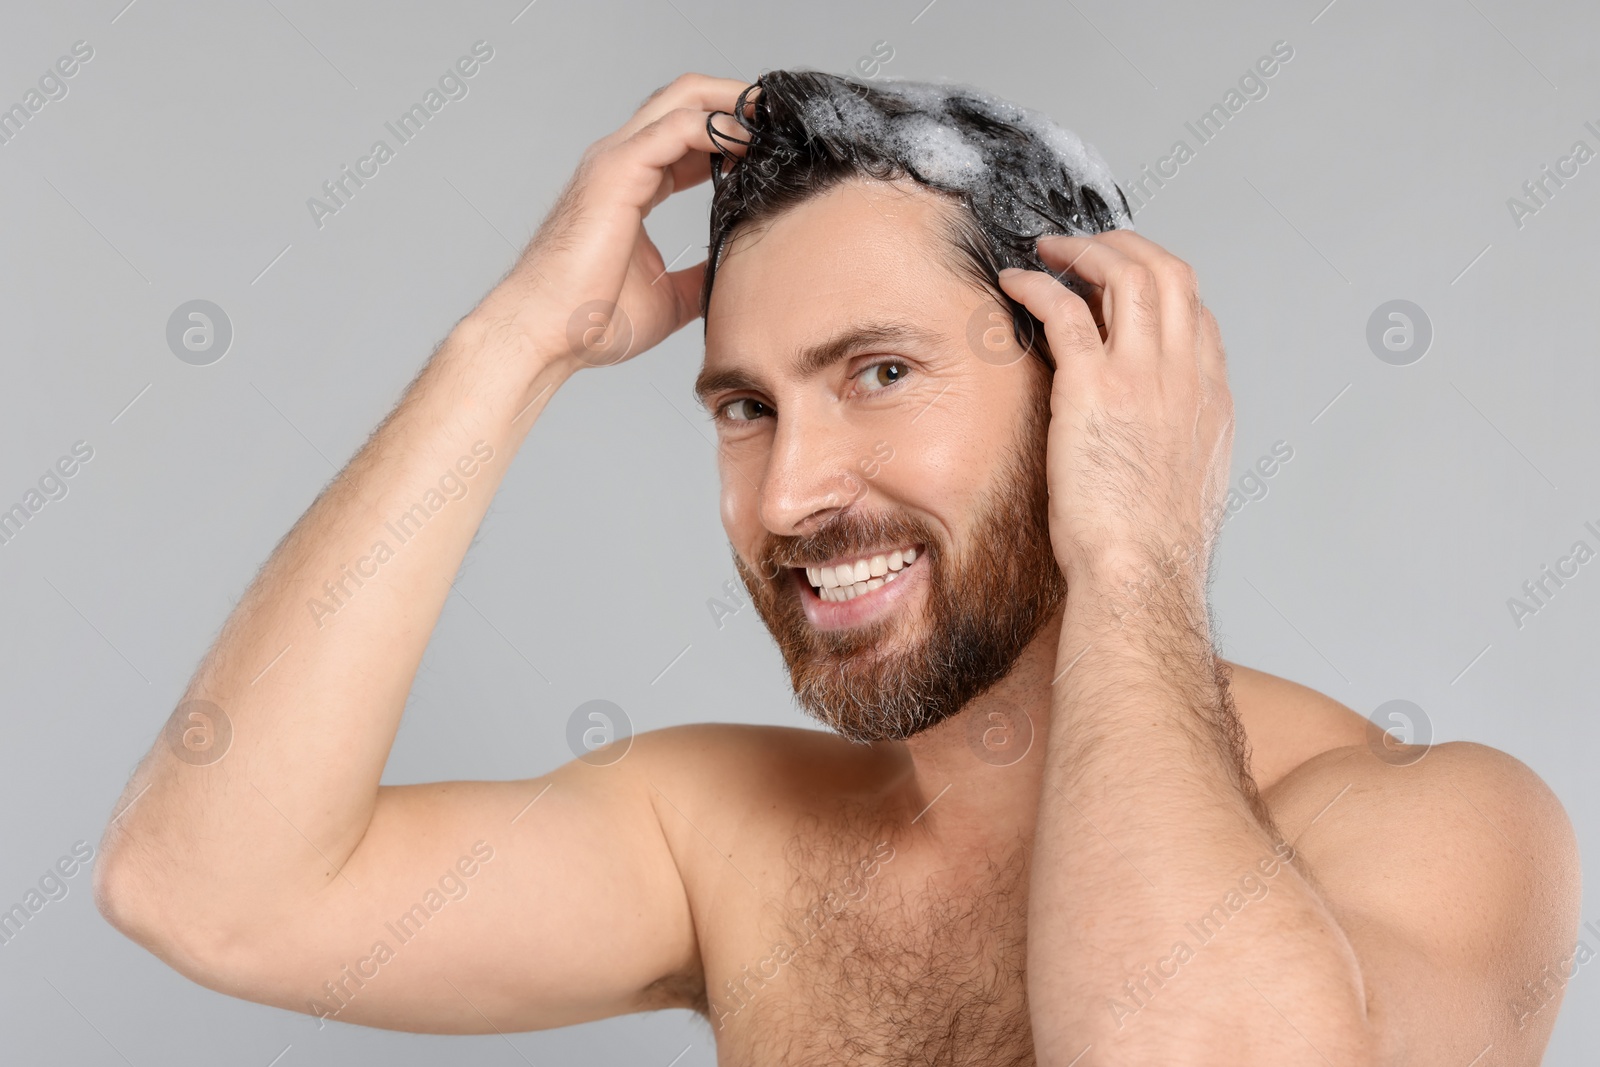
x=811, y=473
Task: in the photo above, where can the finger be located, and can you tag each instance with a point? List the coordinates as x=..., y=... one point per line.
x=1069, y=324
x=695, y=165
x=1092, y=295
x=1213, y=357
x=699, y=91
x=675, y=148
x=685, y=285
x=1177, y=286
x=728, y=135
x=689, y=171
x=1129, y=303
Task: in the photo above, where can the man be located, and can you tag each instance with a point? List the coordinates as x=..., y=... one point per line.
x=976, y=507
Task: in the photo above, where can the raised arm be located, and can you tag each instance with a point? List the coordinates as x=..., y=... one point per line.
x=282, y=868
x=1371, y=908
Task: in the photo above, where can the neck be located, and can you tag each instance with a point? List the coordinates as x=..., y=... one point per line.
x=976, y=776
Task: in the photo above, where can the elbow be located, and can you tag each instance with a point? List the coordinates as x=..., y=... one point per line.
x=108, y=896
x=199, y=942
x=121, y=893
x=118, y=895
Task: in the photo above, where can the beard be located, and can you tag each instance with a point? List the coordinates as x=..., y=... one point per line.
x=985, y=604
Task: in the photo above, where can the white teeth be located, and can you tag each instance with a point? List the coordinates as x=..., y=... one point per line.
x=846, y=581
x=839, y=594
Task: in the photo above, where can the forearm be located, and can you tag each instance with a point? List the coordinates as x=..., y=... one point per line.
x=313, y=667
x=1164, y=924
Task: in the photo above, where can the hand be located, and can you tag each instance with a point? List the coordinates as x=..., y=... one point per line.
x=1141, y=425
x=591, y=289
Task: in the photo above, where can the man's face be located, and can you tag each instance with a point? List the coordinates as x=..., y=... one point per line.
x=856, y=420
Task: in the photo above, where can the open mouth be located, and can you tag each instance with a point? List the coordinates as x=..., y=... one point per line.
x=837, y=583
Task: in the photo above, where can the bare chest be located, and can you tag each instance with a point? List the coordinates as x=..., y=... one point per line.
x=863, y=962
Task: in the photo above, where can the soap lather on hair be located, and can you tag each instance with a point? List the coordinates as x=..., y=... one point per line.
x=1015, y=173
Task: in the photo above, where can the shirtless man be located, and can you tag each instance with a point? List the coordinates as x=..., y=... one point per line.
x=1049, y=824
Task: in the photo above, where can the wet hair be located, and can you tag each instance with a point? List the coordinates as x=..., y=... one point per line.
x=1014, y=174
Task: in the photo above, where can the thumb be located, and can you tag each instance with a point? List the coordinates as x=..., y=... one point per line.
x=686, y=285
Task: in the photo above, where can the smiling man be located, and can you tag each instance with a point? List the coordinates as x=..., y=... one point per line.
x=972, y=433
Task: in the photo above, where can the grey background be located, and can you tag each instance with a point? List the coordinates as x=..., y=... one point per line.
x=1378, y=566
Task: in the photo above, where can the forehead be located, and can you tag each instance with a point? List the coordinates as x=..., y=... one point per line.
x=862, y=250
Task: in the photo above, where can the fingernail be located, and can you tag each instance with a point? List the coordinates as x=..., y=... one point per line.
x=1008, y=271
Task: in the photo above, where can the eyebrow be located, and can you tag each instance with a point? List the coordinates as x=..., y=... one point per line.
x=814, y=359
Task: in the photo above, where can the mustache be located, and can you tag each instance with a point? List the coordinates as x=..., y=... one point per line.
x=845, y=534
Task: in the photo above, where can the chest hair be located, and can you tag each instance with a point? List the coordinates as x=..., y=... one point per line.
x=877, y=965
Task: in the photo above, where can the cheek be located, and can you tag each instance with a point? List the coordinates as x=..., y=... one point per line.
x=741, y=514
x=945, y=465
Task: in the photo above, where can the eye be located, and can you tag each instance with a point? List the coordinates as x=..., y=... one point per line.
x=881, y=375
x=743, y=409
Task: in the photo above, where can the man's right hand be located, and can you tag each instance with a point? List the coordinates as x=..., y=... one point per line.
x=275, y=871
x=592, y=288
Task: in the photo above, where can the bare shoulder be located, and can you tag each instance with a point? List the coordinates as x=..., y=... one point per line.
x=1444, y=806
x=1288, y=723
x=1312, y=753
x=737, y=782
x=1455, y=862
x=732, y=757
x=1452, y=868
